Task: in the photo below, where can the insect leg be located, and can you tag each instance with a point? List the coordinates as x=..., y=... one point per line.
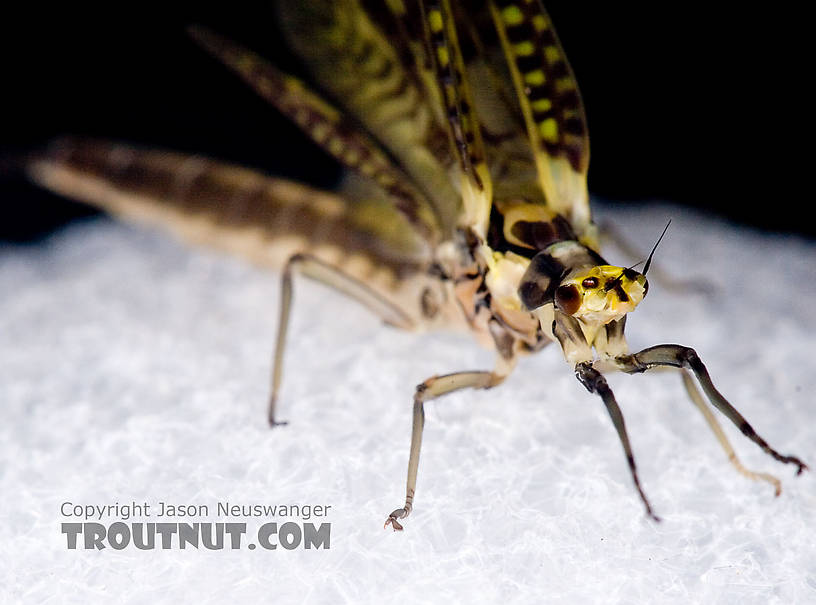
x=594, y=382
x=316, y=269
x=434, y=387
x=684, y=357
x=714, y=425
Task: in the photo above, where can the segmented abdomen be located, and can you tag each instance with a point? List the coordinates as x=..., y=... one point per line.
x=236, y=209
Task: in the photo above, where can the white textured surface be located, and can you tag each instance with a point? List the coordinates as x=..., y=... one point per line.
x=133, y=368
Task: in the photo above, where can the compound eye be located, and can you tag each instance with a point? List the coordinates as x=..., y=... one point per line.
x=568, y=299
x=590, y=282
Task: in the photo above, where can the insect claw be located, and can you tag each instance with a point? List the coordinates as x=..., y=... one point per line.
x=394, y=523
x=271, y=413
x=273, y=423
x=649, y=512
x=400, y=513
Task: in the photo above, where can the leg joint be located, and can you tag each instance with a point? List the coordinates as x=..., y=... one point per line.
x=591, y=378
x=689, y=357
x=298, y=257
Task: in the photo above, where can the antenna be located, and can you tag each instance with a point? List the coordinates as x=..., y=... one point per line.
x=649, y=260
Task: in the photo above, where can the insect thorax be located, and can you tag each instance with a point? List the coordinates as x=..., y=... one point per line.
x=535, y=281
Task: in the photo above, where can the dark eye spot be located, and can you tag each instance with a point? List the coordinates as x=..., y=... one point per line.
x=568, y=299
x=590, y=282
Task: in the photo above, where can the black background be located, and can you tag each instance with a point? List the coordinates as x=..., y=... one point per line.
x=701, y=104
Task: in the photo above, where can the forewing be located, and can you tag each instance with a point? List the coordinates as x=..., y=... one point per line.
x=550, y=104
x=339, y=134
x=373, y=71
x=464, y=127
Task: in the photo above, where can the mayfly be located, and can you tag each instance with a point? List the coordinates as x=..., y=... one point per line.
x=464, y=204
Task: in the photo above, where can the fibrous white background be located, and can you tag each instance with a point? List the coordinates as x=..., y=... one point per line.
x=134, y=368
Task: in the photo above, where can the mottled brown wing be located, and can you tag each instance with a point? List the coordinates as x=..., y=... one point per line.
x=376, y=79
x=338, y=133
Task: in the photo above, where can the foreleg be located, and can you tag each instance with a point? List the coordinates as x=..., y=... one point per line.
x=684, y=357
x=594, y=382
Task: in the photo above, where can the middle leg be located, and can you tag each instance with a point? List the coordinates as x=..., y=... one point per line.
x=715, y=427
x=434, y=387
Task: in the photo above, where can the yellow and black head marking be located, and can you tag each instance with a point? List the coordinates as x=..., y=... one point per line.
x=597, y=294
x=600, y=294
x=463, y=134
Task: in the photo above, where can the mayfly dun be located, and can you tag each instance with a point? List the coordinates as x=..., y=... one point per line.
x=464, y=203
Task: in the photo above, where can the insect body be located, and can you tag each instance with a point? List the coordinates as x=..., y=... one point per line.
x=465, y=202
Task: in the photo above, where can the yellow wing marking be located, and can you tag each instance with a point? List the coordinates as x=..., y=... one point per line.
x=465, y=130
x=551, y=106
